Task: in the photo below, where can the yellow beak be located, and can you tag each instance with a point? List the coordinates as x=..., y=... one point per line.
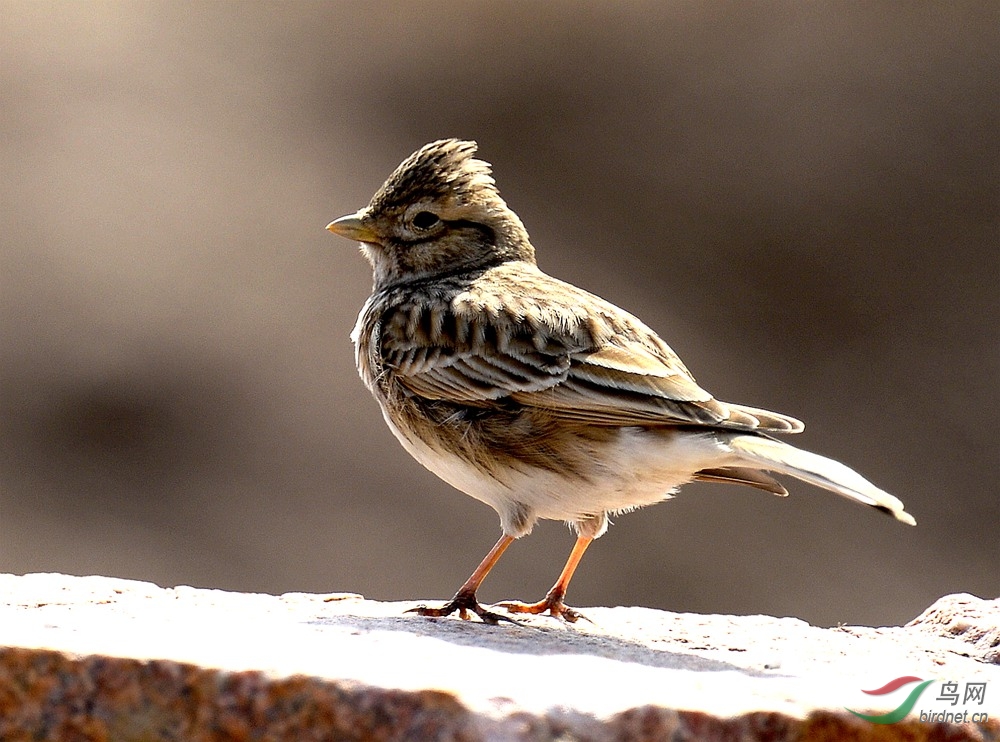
x=353, y=227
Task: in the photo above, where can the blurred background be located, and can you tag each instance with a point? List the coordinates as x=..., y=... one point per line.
x=801, y=198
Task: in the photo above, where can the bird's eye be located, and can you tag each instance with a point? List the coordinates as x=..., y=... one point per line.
x=425, y=220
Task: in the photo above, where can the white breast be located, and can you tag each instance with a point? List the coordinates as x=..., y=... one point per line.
x=640, y=467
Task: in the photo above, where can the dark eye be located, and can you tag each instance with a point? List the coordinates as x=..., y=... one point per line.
x=425, y=220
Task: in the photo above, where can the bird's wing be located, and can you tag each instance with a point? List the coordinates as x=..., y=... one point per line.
x=598, y=365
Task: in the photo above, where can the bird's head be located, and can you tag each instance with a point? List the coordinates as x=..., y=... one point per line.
x=439, y=211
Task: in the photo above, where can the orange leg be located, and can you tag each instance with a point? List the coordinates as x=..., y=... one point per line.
x=465, y=599
x=553, y=602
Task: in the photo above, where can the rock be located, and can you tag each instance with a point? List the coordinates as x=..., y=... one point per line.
x=109, y=659
x=970, y=619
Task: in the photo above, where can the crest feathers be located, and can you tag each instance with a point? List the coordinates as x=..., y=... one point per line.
x=437, y=170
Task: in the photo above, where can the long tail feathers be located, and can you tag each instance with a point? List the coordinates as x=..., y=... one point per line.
x=759, y=452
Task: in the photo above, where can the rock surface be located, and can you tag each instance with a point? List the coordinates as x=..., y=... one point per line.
x=100, y=658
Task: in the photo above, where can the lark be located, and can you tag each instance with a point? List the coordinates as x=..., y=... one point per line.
x=530, y=394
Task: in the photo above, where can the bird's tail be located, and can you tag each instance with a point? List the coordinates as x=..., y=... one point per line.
x=759, y=452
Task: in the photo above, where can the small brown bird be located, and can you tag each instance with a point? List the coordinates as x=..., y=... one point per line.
x=531, y=395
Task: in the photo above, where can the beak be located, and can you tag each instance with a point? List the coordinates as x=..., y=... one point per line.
x=353, y=227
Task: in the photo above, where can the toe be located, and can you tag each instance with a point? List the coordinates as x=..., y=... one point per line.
x=554, y=608
x=465, y=606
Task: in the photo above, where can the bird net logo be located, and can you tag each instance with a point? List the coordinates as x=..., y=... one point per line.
x=956, y=703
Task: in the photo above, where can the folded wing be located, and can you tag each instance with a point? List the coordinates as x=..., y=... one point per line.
x=601, y=367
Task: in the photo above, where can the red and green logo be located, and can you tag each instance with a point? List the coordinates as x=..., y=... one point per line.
x=904, y=708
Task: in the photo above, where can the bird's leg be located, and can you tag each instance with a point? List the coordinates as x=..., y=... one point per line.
x=553, y=602
x=465, y=599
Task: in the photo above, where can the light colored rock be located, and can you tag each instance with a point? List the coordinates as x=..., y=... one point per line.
x=130, y=660
x=974, y=621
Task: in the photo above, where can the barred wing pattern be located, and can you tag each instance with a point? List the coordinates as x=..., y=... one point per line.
x=528, y=339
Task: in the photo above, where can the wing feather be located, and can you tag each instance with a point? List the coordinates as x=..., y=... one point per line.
x=535, y=345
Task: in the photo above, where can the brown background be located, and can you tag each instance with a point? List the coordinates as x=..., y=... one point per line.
x=802, y=198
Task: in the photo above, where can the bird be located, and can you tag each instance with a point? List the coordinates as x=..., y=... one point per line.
x=532, y=395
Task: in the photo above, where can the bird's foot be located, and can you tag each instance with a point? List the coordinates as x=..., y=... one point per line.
x=463, y=602
x=553, y=605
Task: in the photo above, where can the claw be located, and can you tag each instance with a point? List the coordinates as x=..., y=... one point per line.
x=463, y=603
x=555, y=607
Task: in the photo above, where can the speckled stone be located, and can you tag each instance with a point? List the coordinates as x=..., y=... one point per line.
x=93, y=658
x=974, y=621
x=48, y=695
